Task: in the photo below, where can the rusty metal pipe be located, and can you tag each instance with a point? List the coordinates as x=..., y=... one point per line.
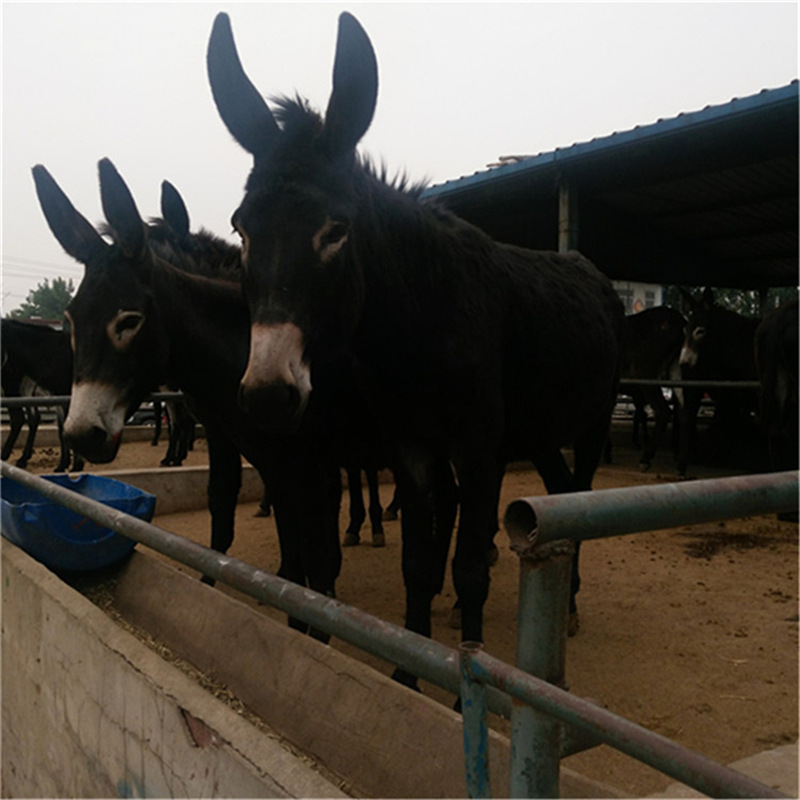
x=613, y=512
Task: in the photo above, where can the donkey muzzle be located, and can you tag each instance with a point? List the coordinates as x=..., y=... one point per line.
x=95, y=421
x=276, y=385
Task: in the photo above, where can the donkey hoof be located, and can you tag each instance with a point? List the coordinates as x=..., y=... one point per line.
x=378, y=540
x=389, y=515
x=263, y=512
x=574, y=623
x=350, y=540
x=494, y=554
x=455, y=619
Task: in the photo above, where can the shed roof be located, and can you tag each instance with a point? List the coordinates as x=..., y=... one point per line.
x=705, y=198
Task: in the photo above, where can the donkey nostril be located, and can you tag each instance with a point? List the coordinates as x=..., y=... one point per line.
x=275, y=405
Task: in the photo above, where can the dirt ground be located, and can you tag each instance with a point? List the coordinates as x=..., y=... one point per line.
x=691, y=632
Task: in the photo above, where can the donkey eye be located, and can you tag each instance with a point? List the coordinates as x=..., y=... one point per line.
x=699, y=333
x=334, y=234
x=124, y=327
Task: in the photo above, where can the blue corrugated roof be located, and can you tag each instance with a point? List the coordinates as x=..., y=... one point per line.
x=663, y=127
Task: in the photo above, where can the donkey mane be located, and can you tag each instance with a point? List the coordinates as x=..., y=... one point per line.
x=201, y=253
x=301, y=123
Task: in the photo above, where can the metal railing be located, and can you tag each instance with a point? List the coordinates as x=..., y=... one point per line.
x=45, y=401
x=542, y=531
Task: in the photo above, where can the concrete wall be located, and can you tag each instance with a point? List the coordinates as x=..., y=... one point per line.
x=89, y=711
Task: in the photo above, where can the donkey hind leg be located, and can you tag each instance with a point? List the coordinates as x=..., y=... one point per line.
x=357, y=511
x=479, y=493
x=33, y=417
x=588, y=453
x=492, y=554
x=661, y=410
x=375, y=510
x=558, y=479
x=16, y=418
x=416, y=478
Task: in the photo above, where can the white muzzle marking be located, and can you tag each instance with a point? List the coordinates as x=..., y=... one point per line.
x=276, y=356
x=95, y=405
x=688, y=357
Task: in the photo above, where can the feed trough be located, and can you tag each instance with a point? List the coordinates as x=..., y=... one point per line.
x=63, y=539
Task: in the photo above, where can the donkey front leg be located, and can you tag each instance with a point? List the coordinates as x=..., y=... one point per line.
x=33, y=417
x=224, y=482
x=17, y=420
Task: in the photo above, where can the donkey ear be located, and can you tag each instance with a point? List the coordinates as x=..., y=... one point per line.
x=173, y=210
x=241, y=107
x=120, y=210
x=708, y=297
x=74, y=232
x=355, y=88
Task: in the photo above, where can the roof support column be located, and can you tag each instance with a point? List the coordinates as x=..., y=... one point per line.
x=567, y=216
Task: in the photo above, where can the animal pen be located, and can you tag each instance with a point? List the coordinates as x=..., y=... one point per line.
x=547, y=722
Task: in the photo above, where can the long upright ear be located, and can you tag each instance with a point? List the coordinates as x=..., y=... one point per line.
x=173, y=210
x=120, y=210
x=355, y=87
x=708, y=297
x=241, y=107
x=74, y=232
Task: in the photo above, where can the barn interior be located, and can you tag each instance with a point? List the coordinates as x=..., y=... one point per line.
x=707, y=198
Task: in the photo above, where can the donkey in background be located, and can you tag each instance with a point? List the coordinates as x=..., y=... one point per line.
x=37, y=362
x=719, y=345
x=472, y=353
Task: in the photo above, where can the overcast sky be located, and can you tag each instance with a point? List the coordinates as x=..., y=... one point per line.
x=460, y=85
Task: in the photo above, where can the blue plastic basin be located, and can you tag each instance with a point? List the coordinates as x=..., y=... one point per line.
x=63, y=539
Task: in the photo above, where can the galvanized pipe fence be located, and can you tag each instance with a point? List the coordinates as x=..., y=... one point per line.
x=541, y=711
x=46, y=401
x=63, y=400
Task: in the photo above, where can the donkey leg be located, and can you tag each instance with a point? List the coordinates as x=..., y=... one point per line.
x=375, y=510
x=479, y=495
x=392, y=511
x=157, y=428
x=17, y=420
x=559, y=480
x=687, y=433
x=357, y=511
x=418, y=549
x=224, y=482
x=662, y=413
x=33, y=423
x=588, y=452
x=322, y=551
x=63, y=462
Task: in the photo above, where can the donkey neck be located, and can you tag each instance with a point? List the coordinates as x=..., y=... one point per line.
x=206, y=326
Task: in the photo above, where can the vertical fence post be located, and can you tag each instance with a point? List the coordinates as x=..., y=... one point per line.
x=476, y=729
x=541, y=650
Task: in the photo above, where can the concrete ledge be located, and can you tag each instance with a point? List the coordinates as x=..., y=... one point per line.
x=387, y=741
x=89, y=711
x=47, y=435
x=184, y=488
x=776, y=768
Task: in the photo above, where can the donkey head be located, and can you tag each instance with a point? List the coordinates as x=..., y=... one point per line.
x=700, y=320
x=296, y=219
x=114, y=334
